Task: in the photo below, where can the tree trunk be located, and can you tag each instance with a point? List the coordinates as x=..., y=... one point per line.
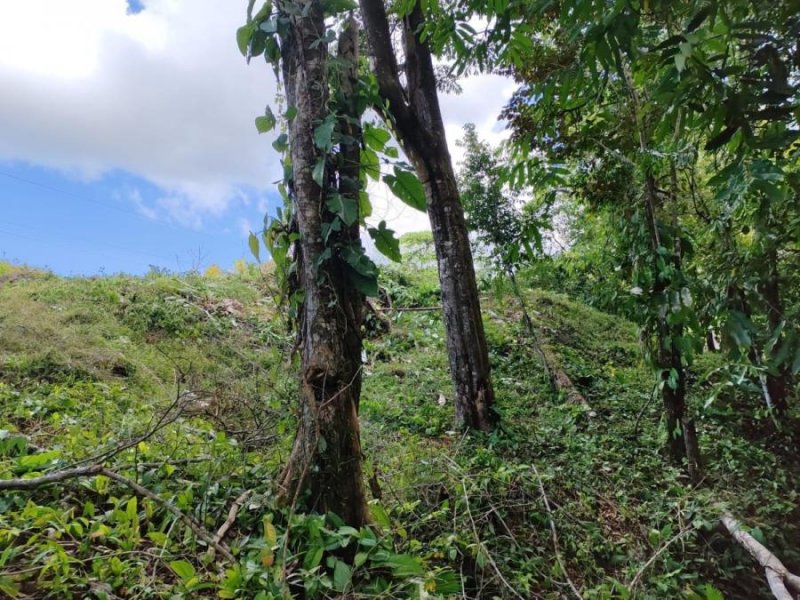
x=669, y=359
x=416, y=117
x=778, y=380
x=325, y=461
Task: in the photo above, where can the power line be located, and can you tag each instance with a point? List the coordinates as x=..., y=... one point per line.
x=97, y=202
x=68, y=193
x=71, y=244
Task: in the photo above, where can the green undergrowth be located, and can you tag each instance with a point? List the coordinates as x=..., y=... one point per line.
x=185, y=385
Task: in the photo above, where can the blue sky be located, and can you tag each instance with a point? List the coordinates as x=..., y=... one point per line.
x=75, y=227
x=127, y=136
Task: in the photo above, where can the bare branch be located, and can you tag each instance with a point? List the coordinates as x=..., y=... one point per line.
x=94, y=470
x=778, y=576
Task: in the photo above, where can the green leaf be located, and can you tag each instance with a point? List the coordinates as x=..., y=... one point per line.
x=318, y=174
x=290, y=113
x=341, y=576
x=404, y=565
x=281, y=144
x=370, y=164
x=364, y=205
x=712, y=593
x=182, y=569
x=380, y=515
x=363, y=273
x=255, y=247
x=313, y=557
x=323, y=133
x=385, y=241
x=266, y=122
x=376, y=137
x=243, y=35
x=405, y=185
x=35, y=461
x=360, y=559
x=345, y=208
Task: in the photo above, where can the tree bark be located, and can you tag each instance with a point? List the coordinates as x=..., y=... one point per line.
x=325, y=461
x=778, y=380
x=415, y=115
x=682, y=445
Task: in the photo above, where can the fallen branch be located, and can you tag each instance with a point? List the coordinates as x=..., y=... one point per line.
x=232, y=513
x=94, y=470
x=779, y=578
x=634, y=582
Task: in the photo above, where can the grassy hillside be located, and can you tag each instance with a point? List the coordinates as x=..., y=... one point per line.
x=186, y=386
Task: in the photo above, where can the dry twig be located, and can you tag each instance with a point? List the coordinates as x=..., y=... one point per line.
x=94, y=470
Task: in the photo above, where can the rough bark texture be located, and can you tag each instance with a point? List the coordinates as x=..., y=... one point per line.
x=326, y=458
x=417, y=121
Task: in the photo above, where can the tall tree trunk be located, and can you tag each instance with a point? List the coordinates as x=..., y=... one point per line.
x=778, y=380
x=416, y=117
x=326, y=457
x=682, y=443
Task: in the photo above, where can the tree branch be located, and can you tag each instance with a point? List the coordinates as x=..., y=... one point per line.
x=94, y=470
x=376, y=24
x=778, y=576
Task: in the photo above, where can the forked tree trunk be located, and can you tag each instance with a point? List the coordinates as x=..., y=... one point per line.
x=415, y=115
x=325, y=461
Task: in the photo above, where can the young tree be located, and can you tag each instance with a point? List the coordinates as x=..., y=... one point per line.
x=323, y=175
x=414, y=113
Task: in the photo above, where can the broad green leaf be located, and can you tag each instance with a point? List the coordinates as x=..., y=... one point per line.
x=323, y=133
x=281, y=144
x=370, y=164
x=363, y=273
x=405, y=185
x=364, y=206
x=255, y=247
x=341, y=576
x=266, y=122
x=385, y=241
x=183, y=569
x=318, y=173
x=404, y=565
x=376, y=137
x=290, y=113
x=243, y=35
x=380, y=515
x=158, y=537
x=36, y=461
x=343, y=207
x=313, y=557
x=360, y=559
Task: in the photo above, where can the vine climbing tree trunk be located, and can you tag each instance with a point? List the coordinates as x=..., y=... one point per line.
x=682, y=444
x=413, y=109
x=325, y=461
x=778, y=381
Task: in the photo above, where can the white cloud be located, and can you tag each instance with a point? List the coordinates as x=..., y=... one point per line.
x=480, y=102
x=245, y=227
x=163, y=94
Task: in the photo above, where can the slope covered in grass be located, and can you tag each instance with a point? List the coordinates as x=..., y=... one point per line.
x=185, y=385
